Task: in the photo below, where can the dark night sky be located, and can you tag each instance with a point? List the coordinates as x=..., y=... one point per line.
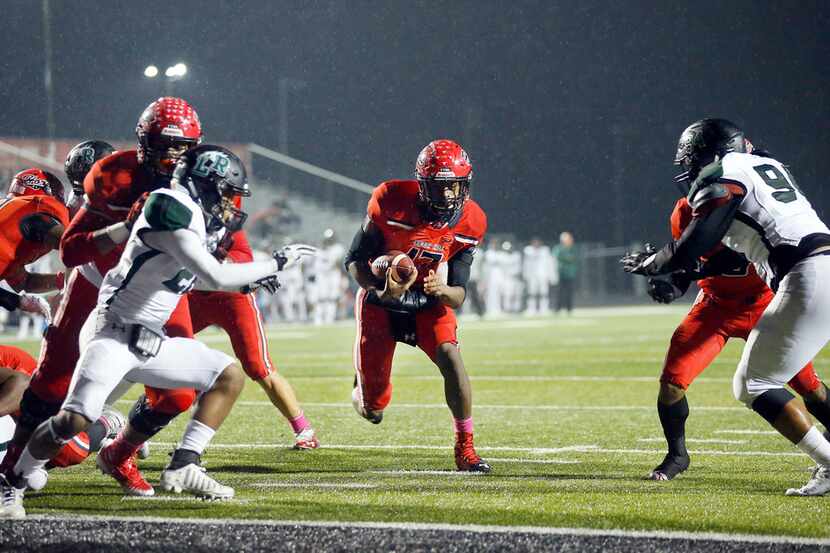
x=555, y=101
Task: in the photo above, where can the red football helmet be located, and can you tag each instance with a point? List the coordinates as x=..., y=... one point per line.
x=167, y=129
x=36, y=182
x=444, y=173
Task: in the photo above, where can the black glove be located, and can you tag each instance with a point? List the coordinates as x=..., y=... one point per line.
x=410, y=302
x=36, y=226
x=270, y=283
x=663, y=291
x=632, y=262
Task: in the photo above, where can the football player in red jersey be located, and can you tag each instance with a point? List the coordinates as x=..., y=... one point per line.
x=32, y=219
x=92, y=244
x=16, y=367
x=728, y=306
x=435, y=222
x=238, y=315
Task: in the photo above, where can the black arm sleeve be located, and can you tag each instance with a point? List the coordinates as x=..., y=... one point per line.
x=9, y=300
x=724, y=262
x=459, y=268
x=36, y=226
x=367, y=242
x=702, y=234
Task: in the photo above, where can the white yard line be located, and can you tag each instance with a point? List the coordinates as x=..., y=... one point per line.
x=416, y=526
x=751, y=432
x=696, y=441
x=255, y=403
x=506, y=407
x=325, y=485
x=593, y=449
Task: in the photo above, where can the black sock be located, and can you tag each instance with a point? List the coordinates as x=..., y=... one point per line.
x=821, y=409
x=182, y=458
x=96, y=432
x=673, y=419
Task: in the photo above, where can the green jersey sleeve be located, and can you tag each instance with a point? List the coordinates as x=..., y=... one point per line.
x=164, y=212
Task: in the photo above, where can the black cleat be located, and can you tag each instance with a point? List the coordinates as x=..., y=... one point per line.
x=671, y=466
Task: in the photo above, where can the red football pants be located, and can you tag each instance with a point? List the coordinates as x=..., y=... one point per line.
x=375, y=343
x=59, y=351
x=238, y=315
x=704, y=332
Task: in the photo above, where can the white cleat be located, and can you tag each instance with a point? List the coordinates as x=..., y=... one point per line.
x=11, y=500
x=194, y=479
x=819, y=483
x=306, y=439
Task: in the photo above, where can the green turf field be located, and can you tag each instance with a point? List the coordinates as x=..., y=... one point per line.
x=564, y=412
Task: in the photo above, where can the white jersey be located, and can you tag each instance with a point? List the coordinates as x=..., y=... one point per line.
x=537, y=262
x=773, y=217
x=146, y=285
x=329, y=258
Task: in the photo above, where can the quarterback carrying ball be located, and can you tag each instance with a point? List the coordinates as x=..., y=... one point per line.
x=435, y=223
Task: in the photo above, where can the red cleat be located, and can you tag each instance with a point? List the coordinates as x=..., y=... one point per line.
x=466, y=458
x=125, y=473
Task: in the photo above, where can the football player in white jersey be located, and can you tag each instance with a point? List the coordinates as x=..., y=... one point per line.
x=751, y=203
x=123, y=338
x=329, y=278
x=538, y=271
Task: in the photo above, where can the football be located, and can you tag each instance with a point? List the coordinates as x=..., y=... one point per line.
x=400, y=264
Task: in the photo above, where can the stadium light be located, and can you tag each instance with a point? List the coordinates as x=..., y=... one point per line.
x=151, y=71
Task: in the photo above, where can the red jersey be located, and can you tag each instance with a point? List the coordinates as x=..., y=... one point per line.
x=15, y=251
x=394, y=209
x=17, y=360
x=742, y=284
x=111, y=187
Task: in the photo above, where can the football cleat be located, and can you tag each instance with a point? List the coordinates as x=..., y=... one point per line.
x=375, y=417
x=671, y=466
x=11, y=500
x=194, y=479
x=125, y=473
x=306, y=439
x=466, y=458
x=819, y=483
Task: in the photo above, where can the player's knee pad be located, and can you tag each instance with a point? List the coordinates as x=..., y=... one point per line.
x=72, y=453
x=34, y=411
x=147, y=419
x=739, y=387
x=770, y=404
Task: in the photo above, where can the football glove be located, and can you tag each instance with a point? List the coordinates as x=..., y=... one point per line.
x=632, y=262
x=270, y=283
x=663, y=291
x=293, y=254
x=31, y=303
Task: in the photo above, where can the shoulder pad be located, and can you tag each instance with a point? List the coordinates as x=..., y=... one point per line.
x=113, y=180
x=473, y=221
x=708, y=174
x=706, y=194
x=164, y=212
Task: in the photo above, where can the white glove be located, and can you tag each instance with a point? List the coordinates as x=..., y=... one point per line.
x=30, y=303
x=293, y=254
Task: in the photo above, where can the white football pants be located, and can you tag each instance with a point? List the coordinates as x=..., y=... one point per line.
x=106, y=360
x=794, y=328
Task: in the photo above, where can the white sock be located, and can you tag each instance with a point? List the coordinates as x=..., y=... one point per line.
x=816, y=446
x=27, y=465
x=197, y=436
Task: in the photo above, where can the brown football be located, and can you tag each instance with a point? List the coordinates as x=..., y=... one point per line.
x=400, y=264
